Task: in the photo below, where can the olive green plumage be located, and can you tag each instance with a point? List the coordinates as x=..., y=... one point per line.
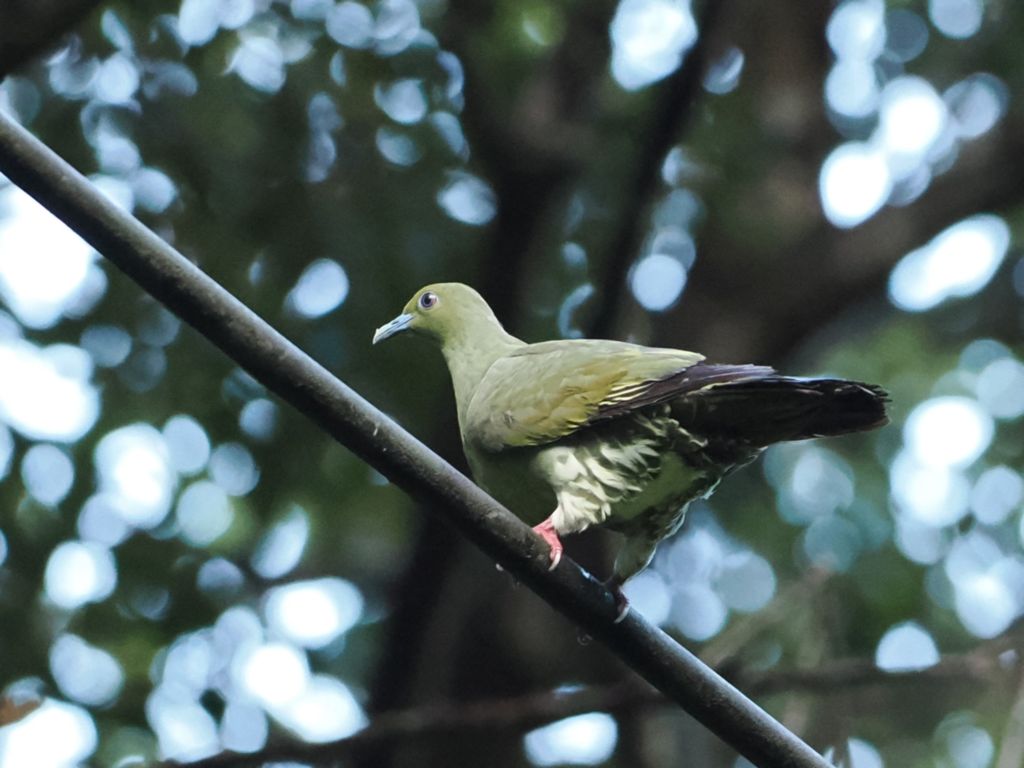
x=574, y=433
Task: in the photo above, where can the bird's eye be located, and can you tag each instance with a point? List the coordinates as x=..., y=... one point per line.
x=428, y=300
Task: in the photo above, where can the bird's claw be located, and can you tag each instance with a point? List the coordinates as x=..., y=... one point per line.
x=623, y=612
x=556, y=557
x=621, y=601
x=546, y=531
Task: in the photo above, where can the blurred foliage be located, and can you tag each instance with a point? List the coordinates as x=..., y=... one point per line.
x=322, y=160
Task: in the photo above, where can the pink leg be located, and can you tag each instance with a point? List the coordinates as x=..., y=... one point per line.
x=546, y=531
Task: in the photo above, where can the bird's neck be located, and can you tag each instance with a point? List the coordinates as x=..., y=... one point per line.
x=470, y=354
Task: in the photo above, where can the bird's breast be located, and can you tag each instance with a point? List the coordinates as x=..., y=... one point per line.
x=511, y=477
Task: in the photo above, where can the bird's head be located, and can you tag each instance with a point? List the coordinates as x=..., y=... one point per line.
x=441, y=312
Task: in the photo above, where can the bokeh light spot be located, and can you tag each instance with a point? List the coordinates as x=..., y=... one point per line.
x=985, y=604
x=233, y=14
x=851, y=88
x=697, y=611
x=649, y=38
x=968, y=745
x=311, y=10
x=273, y=673
x=948, y=432
x=904, y=647
x=860, y=753
x=820, y=483
x=47, y=473
x=203, y=513
x=746, y=582
x=78, y=573
x=906, y=34
x=102, y=519
x=220, y=578
x=657, y=281
x=188, y=446
x=976, y=104
x=153, y=189
x=326, y=710
x=108, y=345
x=912, y=116
x=282, y=545
x=233, y=468
x=134, y=467
x=313, y=613
x=856, y=29
x=404, y=101
x=396, y=27
x=185, y=730
x=855, y=182
x=244, y=727
x=920, y=542
x=197, y=21
x=188, y=664
x=832, y=542
x=350, y=24
x=996, y=494
x=957, y=19
x=259, y=61
x=396, y=147
x=45, y=394
x=33, y=741
x=258, y=419
x=958, y=262
x=935, y=495
x=84, y=672
x=467, y=199
x=581, y=740
x=723, y=75
x=116, y=80
x=1000, y=388
x=449, y=129
x=321, y=288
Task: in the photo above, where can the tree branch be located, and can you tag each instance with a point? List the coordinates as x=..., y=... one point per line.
x=521, y=713
x=285, y=370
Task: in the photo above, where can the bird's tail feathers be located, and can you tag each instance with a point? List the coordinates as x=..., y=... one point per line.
x=774, y=408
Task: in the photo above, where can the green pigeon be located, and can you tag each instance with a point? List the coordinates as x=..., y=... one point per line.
x=579, y=432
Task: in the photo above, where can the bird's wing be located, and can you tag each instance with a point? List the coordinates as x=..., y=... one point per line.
x=544, y=392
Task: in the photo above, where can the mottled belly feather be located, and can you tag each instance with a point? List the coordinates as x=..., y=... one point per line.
x=630, y=474
x=634, y=474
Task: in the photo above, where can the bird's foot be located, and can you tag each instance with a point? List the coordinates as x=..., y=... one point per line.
x=621, y=601
x=546, y=531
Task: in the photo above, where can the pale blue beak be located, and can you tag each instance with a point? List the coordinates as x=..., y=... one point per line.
x=388, y=330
